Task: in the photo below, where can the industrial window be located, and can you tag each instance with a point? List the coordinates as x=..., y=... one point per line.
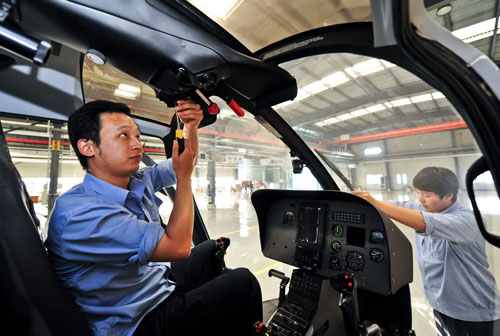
x=402, y=178
x=372, y=179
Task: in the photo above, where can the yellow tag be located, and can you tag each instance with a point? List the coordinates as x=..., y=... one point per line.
x=179, y=134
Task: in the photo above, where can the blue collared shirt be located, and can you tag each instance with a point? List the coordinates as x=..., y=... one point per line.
x=452, y=260
x=100, y=240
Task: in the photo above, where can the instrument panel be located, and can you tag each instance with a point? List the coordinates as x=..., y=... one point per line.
x=331, y=233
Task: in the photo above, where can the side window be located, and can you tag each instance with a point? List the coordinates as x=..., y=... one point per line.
x=42, y=154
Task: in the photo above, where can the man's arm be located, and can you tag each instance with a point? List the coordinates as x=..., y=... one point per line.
x=175, y=244
x=408, y=217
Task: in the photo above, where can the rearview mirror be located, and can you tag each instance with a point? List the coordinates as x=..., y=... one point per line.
x=490, y=206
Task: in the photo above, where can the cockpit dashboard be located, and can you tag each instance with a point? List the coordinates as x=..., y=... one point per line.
x=331, y=233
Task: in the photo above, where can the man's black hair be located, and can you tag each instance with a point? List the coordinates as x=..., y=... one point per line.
x=85, y=123
x=438, y=180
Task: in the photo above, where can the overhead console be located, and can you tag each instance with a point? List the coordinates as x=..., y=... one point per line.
x=165, y=40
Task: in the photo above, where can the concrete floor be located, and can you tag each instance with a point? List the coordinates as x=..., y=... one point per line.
x=233, y=216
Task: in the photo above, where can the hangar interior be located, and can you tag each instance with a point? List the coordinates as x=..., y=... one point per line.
x=377, y=122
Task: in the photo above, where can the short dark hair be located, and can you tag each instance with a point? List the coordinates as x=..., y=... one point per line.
x=439, y=180
x=85, y=123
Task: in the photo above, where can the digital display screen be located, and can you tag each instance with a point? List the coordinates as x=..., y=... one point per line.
x=309, y=224
x=356, y=236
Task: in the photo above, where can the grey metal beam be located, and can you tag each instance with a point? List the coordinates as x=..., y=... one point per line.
x=55, y=161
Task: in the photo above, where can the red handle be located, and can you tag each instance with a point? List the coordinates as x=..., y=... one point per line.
x=236, y=108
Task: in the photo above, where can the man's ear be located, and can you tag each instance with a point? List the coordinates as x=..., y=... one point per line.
x=86, y=147
x=448, y=197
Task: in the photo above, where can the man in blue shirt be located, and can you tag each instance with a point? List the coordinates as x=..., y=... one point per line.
x=451, y=254
x=108, y=248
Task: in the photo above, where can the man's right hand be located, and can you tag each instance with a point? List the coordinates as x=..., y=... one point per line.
x=183, y=164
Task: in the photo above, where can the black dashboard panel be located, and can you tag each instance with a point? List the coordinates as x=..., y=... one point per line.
x=332, y=233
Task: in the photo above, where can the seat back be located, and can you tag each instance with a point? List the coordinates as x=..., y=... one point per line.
x=35, y=302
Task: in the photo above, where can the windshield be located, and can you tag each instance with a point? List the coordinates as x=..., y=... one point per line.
x=380, y=126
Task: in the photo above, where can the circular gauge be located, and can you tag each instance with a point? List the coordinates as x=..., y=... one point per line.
x=335, y=263
x=336, y=246
x=355, y=260
x=337, y=230
x=376, y=255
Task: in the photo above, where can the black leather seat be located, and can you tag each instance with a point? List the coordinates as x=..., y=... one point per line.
x=33, y=301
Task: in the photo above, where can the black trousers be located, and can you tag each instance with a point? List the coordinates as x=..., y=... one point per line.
x=206, y=302
x=451, y=326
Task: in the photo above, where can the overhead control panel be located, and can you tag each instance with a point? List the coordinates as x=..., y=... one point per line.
x=331, y=233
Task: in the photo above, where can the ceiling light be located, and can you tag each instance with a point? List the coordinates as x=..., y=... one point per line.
x=350, y=71
x=315, y=87
x=437, y=95
x=359, y=113
x=387, y=64
x=345, y=116
x=443, y=10
x=476, y=31
x=130, y=88
x=125, y=94
x=335, y=79
x=421, y=98
x=368, y=67
x=327, y=122
x=375, y=108
x=401, y=102
x=301, y=94
x=373, y=151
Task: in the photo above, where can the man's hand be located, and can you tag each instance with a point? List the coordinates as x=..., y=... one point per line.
x=190, y=113
x=183, y=163
x=365, y=195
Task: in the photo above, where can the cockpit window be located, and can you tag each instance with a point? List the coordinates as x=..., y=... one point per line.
x=108, y=83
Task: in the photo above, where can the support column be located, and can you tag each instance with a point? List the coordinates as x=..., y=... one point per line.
x=55, y=161
x=211, y=179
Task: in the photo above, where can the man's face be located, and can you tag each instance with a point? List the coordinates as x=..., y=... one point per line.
x=431, y=201
x=120, y=150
